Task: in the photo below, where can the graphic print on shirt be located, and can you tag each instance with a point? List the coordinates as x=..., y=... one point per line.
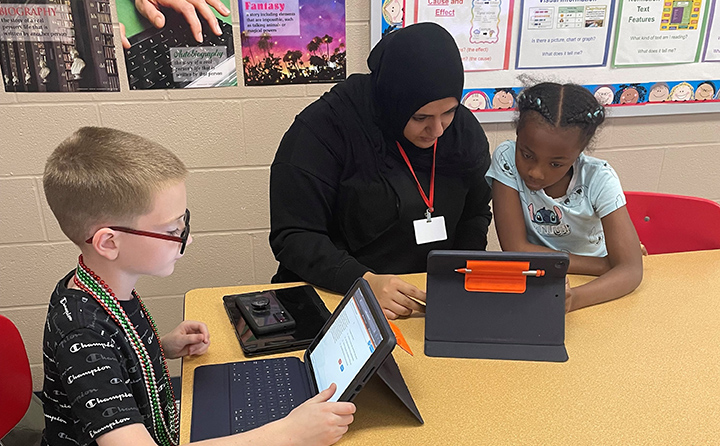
x=504, y=162
x=596, y=236
x=548, y=222
x=575, y=197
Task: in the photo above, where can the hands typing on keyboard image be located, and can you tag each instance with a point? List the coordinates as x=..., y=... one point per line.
x=156, y=41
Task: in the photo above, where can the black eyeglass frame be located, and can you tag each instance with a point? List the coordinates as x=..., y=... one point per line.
x=182, y=239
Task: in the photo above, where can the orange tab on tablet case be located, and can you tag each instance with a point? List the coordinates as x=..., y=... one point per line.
x=491, y=276
x=400, y=339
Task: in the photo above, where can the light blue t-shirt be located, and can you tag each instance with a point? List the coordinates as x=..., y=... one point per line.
x=570, y=223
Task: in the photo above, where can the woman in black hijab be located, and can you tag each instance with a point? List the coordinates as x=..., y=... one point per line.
x=361, y=170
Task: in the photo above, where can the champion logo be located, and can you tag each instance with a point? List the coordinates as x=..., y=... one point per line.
x=76, y=347
x=95, y=401
x=67, y=314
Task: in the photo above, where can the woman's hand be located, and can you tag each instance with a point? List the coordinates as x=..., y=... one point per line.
x=396, y=297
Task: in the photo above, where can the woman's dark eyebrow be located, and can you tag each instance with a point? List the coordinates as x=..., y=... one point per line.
x=419, y=115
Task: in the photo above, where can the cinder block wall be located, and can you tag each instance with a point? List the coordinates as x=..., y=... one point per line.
x=228, y=137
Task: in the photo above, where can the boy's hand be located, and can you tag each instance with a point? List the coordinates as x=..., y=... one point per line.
x=317, y=421
x=188, y=338
x=643, y=249
x=568, y=295
x=395, y=295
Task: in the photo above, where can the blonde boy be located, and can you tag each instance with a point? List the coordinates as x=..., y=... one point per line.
x=121, y=198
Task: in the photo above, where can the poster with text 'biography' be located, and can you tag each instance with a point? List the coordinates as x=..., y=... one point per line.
x=557, y=33
x=656, y=32
x=293, y=41
x=57, y=46
x=481, y=29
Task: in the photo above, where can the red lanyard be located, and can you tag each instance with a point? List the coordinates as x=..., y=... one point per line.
x=428, y=201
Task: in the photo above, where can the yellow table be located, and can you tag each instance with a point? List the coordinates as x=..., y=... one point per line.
x=643, y=370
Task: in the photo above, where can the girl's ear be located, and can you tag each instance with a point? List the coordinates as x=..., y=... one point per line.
x=105, y=243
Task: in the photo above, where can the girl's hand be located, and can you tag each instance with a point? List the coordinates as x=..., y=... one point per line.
x=568, y=295
x=643, y=249
x=188, y=338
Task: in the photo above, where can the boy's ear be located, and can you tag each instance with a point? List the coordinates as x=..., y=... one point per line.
x=105, y=243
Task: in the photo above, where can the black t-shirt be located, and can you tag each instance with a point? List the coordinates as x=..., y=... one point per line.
x=93, y=381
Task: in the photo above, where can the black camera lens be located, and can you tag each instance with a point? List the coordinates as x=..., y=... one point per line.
x=260, y=304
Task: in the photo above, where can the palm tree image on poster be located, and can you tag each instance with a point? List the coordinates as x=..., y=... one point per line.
x=315, y=55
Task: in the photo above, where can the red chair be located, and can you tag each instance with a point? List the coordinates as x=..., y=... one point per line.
x=15, y=377
x=674, y=223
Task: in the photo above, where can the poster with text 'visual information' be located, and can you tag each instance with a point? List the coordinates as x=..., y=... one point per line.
x=557, y=33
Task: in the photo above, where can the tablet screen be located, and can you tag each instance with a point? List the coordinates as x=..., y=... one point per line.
x=346, y=346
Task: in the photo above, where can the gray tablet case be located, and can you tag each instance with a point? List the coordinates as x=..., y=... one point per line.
x=528, y=325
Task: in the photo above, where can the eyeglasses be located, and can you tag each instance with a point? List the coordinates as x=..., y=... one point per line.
x=183, y=238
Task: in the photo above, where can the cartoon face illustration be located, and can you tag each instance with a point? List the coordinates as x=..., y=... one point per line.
x=681, y=92
x=629, y=96
x=393, y=12
x=545, y=216
x=503, y=99
x=604, y=95
x=659, y=92
x=705, y=91
x=475, y=100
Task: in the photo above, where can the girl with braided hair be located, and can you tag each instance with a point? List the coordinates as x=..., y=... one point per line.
x=549, y=196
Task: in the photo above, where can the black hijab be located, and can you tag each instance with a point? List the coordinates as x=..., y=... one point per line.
x=410, y=68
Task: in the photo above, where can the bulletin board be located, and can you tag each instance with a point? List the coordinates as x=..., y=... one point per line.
x=638, y=57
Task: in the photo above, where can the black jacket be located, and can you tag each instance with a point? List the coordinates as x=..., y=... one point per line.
x=342, y=200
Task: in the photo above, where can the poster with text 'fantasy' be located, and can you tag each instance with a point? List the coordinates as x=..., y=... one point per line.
x=659, y=32
x=292, y=41
x=564, y=33
x=481, y=29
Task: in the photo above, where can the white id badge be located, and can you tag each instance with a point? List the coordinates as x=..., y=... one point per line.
x=430, y=231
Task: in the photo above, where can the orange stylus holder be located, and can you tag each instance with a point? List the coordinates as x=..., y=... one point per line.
x=491, y=276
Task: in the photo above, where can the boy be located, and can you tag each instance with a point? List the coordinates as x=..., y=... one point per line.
x=122, y=200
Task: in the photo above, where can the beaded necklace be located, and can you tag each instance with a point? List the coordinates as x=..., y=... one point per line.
x=91, y=283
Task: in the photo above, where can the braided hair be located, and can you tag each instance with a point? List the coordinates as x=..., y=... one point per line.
x=561, y=105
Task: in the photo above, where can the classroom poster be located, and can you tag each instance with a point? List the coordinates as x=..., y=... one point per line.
x=293, y=41
x=481, y=29
x=171, y=56
x=712, y=43
x=556, y=33
x=656, y=32
x=49, y=46
x=393, y=15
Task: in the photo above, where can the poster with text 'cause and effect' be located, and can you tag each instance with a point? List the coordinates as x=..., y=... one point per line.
x=293, y=41
x=564, y=33
x=658, y=32
x=481, y=28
